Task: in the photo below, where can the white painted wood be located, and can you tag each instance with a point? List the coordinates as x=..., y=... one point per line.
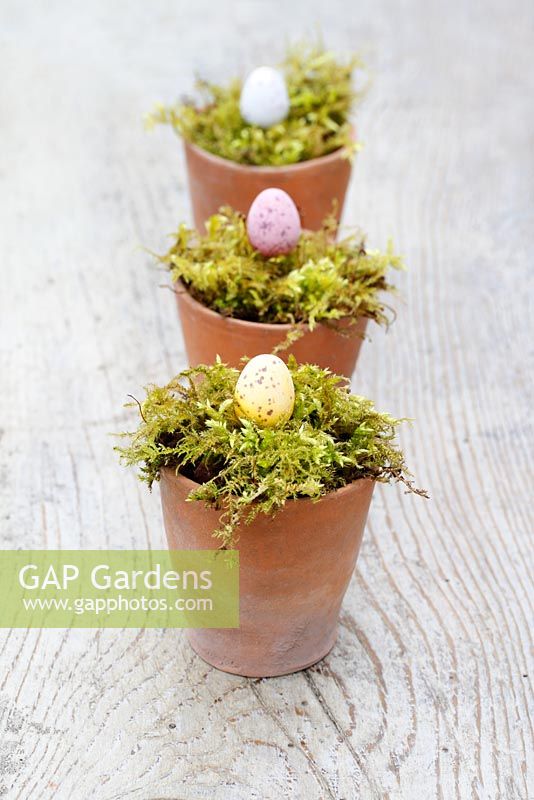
x=426, y=694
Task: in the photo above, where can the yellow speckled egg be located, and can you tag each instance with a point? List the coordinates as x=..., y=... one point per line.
x=264, y=392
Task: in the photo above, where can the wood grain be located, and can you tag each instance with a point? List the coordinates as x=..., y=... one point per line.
x=428, y=692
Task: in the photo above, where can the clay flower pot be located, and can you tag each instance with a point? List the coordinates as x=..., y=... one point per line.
x=208, y=334
x=313, y=184
x=295, y=567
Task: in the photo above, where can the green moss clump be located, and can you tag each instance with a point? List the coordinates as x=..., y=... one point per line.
x=321, y=94
x=332, y=439
x=320, y=280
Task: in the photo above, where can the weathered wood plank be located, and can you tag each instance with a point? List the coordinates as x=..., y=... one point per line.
x=427, y=693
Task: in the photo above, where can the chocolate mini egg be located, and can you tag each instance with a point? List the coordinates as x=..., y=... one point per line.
x=264, y=99
x=273, y=223
x=264, y=392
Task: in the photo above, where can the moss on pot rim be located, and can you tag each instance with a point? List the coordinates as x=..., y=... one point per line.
x=321, y=280
x=321, y=94
x=332, y=439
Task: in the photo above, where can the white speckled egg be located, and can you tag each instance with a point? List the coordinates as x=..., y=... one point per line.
x=264, y=99
x=273, y=223
x=264, y=392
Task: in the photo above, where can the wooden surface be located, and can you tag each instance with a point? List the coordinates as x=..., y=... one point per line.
x=427, y=693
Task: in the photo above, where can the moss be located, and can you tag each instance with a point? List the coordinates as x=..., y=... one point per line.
x=321, y=93
x=332, y=439
x=320, y=280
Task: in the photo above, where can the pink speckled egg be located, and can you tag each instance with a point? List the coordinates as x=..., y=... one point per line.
x=273, y=223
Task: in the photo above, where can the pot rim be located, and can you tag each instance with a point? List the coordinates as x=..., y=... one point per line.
x=300, y=166
x=348, y=488
x=272, y=327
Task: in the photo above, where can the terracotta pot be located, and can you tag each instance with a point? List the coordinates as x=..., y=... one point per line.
x=208, y=334
x=313, y=184
x=295, y=567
